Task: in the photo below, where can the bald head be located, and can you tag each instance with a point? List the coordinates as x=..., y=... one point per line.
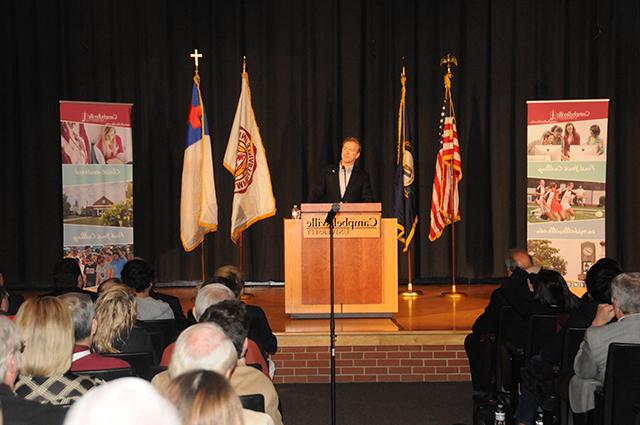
x=203, y=346
x=517, y=258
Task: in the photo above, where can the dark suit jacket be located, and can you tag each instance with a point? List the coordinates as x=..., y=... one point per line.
x=328, y=187
x=18, y=411
x=260, y=331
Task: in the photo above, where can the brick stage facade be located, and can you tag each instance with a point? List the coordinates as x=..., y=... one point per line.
x=372, y=363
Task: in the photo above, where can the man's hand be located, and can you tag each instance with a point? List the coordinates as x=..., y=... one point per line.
x=604, y=314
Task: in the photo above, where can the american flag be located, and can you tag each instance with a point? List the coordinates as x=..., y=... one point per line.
x=444, y=199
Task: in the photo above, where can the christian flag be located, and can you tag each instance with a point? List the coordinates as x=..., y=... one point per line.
x=198, y=204
x=444, y=200
x=405, y=197
x=246, y=160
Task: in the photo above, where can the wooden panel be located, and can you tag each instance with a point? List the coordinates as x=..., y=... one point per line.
x=307, y=275
x=358, y=271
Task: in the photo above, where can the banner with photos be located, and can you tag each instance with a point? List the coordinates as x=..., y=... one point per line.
x=566, y=185
x=97, y=186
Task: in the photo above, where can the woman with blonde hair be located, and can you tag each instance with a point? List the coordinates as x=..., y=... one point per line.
x=116, y=330
x=110, y=144
x=204, y=397
x=47, y=330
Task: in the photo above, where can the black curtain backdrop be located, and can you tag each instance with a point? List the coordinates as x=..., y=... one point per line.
x=319, y=70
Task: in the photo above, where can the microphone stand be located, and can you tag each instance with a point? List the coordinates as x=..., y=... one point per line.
x=332, y=319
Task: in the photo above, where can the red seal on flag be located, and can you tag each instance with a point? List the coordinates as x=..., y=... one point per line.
x=245, y=161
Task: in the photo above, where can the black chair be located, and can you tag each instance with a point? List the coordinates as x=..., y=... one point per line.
x=506, y=364
x=253, y=402
x=541, y=331
x=571, y=343
x=141, y=362
x=108, y=374
x=616, y=400
x=167, y=329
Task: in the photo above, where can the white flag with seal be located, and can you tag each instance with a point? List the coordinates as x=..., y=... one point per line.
x=246, y=160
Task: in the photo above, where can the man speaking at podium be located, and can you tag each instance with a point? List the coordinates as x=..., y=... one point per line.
x=346, y=182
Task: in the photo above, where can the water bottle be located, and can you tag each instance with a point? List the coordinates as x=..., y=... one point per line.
x=295, y=212
x=540, y=418
x=500, y=416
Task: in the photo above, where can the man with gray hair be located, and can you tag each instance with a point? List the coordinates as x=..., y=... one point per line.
x=16, y=410
x=206, y=346
x=591, y=361
x=84, y=328
x=207, y=296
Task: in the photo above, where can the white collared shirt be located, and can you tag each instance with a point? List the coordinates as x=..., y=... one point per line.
x=344, y=175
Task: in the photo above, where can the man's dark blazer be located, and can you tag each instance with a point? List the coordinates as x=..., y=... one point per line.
x=328, y=187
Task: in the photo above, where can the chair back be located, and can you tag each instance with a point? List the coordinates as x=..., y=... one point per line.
x=541, y=331
x=572, y=340
x=163, y=332
x=573, y=337
x=253, y=357
x=253, y=402
x=621, y=384
x=108, y=374
x=504, y=362
x=141, y=362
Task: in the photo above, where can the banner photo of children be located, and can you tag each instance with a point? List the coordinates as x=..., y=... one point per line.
x=97, y=186
x=566, y=184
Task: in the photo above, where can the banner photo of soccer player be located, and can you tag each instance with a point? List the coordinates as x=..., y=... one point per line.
x=566, y=185
x=97, y=187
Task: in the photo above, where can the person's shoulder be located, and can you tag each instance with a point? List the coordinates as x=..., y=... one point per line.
x=252, y=417
x=80, y=382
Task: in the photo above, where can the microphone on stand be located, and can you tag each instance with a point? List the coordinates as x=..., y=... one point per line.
x=335, y=207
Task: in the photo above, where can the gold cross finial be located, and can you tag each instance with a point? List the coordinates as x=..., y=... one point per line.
x=195, y=55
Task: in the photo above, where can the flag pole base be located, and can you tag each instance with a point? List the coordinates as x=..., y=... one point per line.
x=453, y=295
x=410, y=292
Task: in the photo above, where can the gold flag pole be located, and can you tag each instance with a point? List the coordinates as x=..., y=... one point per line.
x=196, y=77
x=244, y=295
x=402, y=132
x=449, y=60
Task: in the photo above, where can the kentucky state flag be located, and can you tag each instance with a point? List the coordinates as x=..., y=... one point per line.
x=405, y=196
x=198, y=203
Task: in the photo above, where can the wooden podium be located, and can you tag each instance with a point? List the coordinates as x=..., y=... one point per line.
x=365, y=262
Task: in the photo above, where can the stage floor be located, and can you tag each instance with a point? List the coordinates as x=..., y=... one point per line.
x=429, y=318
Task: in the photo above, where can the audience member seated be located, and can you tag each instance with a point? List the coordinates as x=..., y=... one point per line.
x=207, y=296
x=204, y=397
x=116, y=331
x=14, y=301
x=591, y=361
x=231, y=316
x=125, y=401
x=16, y=410
x=84, y=328
x=481, y=341
x=67, y=277
x=542, y=379
x=259, y=329
x=139, y=275
x=205, y=346
x=45, y=325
